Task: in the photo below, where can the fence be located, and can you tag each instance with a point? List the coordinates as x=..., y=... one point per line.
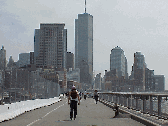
x=154, y=104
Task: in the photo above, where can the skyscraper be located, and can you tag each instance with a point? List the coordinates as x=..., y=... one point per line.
x=84, y=47
x=139, y=71
x=50, y=45
x=2, y=58
x=118, y=61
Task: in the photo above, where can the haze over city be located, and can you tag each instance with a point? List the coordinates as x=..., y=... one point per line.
x=134, y=26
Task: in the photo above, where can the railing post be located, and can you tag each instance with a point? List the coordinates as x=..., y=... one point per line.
x=144, y=104
x=119, y=99
x=128, y=102
x=116, y=99
x=131, y=102
x=108, y=98
x=136, y=102
x=151, y=105
x=102, y=97
x=112, y=98
x=159, y=106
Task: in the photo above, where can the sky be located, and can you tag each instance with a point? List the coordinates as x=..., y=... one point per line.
x=133, y=25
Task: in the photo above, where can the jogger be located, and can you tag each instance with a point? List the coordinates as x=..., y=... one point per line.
x=74, y=99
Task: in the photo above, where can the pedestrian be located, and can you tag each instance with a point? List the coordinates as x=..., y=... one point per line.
x=74, y=99
x=96, y=96
x=85, y=95
x=80, y=94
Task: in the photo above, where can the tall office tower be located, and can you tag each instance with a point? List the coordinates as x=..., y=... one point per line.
x=118, y=61
x=84, y=47
x=159, y=81
x=70, y=61
x=139, y=71
x=2, y=58
x=50, y=45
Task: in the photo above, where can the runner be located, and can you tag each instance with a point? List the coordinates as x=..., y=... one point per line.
x=85, y=95
x=96, y=96
x=74, y=99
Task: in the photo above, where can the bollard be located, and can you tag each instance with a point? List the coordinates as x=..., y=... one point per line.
x=144, y=104
x=151, y=105
x=159, y=106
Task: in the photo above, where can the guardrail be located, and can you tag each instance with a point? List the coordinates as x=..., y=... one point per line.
x=154, y=104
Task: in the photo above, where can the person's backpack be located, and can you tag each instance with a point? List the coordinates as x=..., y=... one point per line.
x=74, y=94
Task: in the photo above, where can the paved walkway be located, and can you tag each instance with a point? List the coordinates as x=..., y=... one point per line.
x=89, y=114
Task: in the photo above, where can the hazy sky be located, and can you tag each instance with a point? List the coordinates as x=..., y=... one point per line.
x=133, y=25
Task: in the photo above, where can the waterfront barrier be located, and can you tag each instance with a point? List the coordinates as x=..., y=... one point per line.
x=10, y=111
x=152, y=103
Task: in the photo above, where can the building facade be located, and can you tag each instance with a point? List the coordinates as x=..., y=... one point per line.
x=149, y=80
x=70, y=61
x=139, y=71
x=24, y=59
x=118, y=61
x=98, y=81
x=159, y=83
x=2, y=58
x=84, y=47
x=50, y=45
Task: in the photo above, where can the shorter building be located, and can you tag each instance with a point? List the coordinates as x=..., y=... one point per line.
x=11, y=62
x=31, y=57
x=73, y=75
x=149, y=80
x=117, y=84
x=98, y=80
x=24, y=59
x=70, y=61
x=73, y=83
x=62, y=78
x=159, y=81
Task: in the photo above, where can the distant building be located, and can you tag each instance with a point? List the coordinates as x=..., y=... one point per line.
x=73, y=75
x=98, y=81
x=149, y=80
x=11, y=62
x=62, y=78
x=31, y=57
x=138, y=70
x=84, y=47
x=2, y=58
x=159, y=83
x=24, y=59
x=118, y=61
x=70, y=61
x=50, y=45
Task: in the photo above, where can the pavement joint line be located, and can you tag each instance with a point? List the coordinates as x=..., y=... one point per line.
x=44, y=115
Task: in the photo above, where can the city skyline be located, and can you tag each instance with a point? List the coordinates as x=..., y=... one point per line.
x=133, y=25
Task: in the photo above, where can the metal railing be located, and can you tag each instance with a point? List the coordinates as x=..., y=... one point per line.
x=152, y=103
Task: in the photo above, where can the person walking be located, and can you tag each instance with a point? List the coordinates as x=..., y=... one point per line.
x=74, y=99
x=85, y=95
x=96, y=96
